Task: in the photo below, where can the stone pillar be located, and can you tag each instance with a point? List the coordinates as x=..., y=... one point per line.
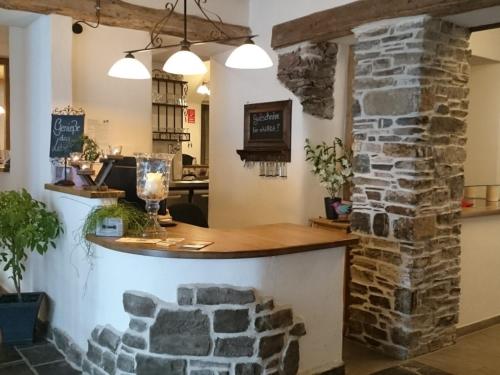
x=410, y=104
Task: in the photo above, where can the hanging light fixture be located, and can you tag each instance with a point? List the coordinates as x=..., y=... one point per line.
x=184, y=61
x=203, y=89
x=249, y=56
x=129, y=68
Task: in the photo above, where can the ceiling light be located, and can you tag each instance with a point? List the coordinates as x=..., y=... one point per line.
x=129, y=68
x=249, y=56
x=185, y=62
x=203, y=89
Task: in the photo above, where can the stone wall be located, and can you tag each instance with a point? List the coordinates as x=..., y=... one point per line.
x=309, y=72
x=409, y=126
x=213, y=330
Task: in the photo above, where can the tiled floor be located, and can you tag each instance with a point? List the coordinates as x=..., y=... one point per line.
x=34, y=359
x=474, y=354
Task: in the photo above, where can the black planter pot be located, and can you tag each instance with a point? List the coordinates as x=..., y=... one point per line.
x=18, y=319
x=329, y=209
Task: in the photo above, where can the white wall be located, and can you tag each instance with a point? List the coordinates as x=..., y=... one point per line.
x=238, y=196
x=126, y=104
x=194, y=101
x=480, y=263
x=482, y=165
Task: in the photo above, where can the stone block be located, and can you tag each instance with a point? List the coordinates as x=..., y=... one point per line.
x=265, y=304
x=405, y=300
x=181, y=333
x=109, y=338
x=231, y=321
x=149, y=365
x=380, y=301
x=361, y=222
x=95, y=333
x=278, y=319
x=361, y=163
x=134, y=341
x=202, y=372
x=86, y=366
x=224, y=295
x=270, y=345
x=446, y=125
x=392, y=102
x=185, y=296
x=74, y=355
x=125, y=362
x=298, y=329
x=241, y=346
x=381, y=224
x=291, y=358
x=108, y=362
x=201, y=364
x=362, y=316
x=414, y=229
x=248, y=369
x=404, y=338
x=139, y=304
x=94, y=353
x=61, y=340
x=138, y=325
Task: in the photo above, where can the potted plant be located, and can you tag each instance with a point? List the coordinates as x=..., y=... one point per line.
x=332, y=164
x=25, y=226
x=133, y=221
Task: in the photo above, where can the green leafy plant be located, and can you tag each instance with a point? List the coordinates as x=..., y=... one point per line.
x=134, y=221
x=331, y=163
x=25, y=224
x=90, y=149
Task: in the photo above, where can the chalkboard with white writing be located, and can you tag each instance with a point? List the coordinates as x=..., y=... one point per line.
x=66, y=135
x=266, y=125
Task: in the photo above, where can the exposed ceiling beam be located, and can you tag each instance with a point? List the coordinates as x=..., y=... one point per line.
x=338, y=22
x=119, y=13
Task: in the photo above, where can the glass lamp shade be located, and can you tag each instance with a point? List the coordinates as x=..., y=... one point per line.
x=185, y=62
x=129, y=68
x=203, y=89
x=2, y=110
x=249, y=56
x=153, y=177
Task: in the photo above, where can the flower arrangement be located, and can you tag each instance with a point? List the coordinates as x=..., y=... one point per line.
x=331, y=163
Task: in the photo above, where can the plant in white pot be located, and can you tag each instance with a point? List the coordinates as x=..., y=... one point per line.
x=332, y=164
x=25, y=226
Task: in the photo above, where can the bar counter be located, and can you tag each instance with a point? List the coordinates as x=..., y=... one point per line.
x=253, y=242
x=297, y=266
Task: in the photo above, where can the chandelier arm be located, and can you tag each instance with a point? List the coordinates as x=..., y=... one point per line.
x=207, y=17
x=98, y=16
x=155, y=38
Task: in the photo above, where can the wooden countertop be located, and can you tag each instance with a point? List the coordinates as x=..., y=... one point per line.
x=253, y=242
x=481, y=208
x=92, y=194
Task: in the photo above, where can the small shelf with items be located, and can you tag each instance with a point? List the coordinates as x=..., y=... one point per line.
x=169, y=107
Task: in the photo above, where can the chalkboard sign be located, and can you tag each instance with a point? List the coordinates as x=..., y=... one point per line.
x=66, y=135
x=266, y=125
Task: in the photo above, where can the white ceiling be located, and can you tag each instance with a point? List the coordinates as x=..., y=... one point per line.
x=17, y=19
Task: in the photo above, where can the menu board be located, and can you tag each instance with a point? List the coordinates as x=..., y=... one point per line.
x=66, y=135
x=266, y=125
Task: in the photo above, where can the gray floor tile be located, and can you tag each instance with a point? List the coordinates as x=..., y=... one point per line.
x=19, y=369
x=56, y=368
x=41, y=354
x=8, y=354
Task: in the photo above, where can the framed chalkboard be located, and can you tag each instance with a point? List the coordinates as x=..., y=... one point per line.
x=268, y=125
x=66, y=134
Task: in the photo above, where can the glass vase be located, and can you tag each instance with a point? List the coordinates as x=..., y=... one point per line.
x=153, y=177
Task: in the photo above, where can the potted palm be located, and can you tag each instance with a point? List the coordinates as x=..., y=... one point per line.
x=25, y=226
x=332, y=164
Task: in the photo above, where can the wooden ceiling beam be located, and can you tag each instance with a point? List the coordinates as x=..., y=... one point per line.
x=338, y=22
x=119, y=13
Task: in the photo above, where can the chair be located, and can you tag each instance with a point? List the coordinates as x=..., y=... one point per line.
x=188, y=213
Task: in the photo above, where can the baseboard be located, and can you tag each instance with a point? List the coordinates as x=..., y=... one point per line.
x=471, y=328
x=337, y=369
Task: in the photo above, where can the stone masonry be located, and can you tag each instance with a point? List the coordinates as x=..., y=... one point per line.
x=410, y=105
x=213, y=330
x=309, y=72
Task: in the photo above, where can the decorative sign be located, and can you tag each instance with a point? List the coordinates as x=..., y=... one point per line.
x=268, y=132
x=191, y=116
x=66, y=132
